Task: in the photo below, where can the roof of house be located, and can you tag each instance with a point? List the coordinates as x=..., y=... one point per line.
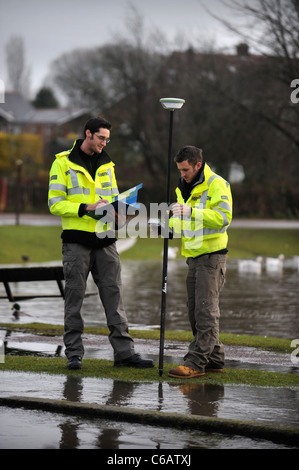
x=17, y=109
x=6, y=115
x=16, y=106
x=56, y=115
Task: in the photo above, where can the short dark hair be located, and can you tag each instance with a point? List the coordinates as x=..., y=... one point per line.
x=94, y=124
x=190, y=153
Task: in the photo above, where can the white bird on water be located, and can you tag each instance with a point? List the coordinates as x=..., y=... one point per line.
x=296, y=262
x=250, y=265
x=172, y=252
x=275, y=264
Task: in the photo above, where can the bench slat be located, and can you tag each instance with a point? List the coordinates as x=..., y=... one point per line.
x=27, y=274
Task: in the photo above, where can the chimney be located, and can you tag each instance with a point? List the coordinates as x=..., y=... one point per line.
x=243, y=50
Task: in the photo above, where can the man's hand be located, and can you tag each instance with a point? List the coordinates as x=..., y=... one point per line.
x=180, y=210
x=119, y=218
x=93, y=207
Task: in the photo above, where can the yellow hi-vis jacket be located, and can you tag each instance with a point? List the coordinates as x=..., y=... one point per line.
x=71, y=185
x=205, y=231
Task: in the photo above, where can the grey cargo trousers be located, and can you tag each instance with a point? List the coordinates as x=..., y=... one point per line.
x=205, y=279
x=104, y=265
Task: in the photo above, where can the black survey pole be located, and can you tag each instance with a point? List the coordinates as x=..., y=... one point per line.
x=165, y=253
x=171, y=104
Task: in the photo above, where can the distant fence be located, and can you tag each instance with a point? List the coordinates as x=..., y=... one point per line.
x=23, y=198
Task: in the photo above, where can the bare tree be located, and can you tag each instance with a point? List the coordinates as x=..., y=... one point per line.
x=237, y=108
x=271, y=29
x=102, y=76
x=116, y=80
x=80, y=75
x=18, y=72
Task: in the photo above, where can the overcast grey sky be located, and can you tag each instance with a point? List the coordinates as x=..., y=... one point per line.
x=52, y=27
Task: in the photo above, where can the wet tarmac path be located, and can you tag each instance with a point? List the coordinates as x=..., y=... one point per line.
x=272, y=406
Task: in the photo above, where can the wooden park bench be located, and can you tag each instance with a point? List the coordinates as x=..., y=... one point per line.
x=13, y=274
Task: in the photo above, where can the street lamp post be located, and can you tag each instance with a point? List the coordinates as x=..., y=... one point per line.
x=171, y=104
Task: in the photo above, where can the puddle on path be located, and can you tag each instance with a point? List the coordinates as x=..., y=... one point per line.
x=21, y=429
x=38, y=429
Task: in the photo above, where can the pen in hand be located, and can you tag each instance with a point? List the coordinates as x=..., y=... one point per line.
x=95, y=205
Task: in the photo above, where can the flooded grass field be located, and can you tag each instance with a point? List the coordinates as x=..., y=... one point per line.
x=265, y=304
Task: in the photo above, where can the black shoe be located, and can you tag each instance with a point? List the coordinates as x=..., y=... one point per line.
x=214, y=367
x=74, y=362
x=135, y=361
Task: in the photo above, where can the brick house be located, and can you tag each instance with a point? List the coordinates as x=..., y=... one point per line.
x=53, y=125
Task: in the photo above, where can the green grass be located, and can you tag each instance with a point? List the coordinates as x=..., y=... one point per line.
x=101, y=368
x=147, y=249
x=43, y=244
x=249, y=243
x=243, y=243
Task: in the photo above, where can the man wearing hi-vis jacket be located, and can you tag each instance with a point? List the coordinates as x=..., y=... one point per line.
x=81, y=180
x=201, y=217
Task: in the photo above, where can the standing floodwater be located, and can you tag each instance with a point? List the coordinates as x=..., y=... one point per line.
x=256, y=304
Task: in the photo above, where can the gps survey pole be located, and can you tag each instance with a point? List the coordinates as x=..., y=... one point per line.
x=170, y=104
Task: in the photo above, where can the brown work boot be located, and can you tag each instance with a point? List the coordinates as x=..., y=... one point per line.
x=184, y=372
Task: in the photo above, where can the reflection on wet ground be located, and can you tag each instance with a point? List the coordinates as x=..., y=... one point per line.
x=43, y=430
x=265, y=405
x=241, y=402
x=265, y=304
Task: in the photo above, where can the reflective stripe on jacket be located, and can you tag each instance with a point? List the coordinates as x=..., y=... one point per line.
x=206, y=230
x=72, y=185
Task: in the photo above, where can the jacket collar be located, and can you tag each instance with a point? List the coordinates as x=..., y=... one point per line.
x=198, y=179
x=75, y=157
